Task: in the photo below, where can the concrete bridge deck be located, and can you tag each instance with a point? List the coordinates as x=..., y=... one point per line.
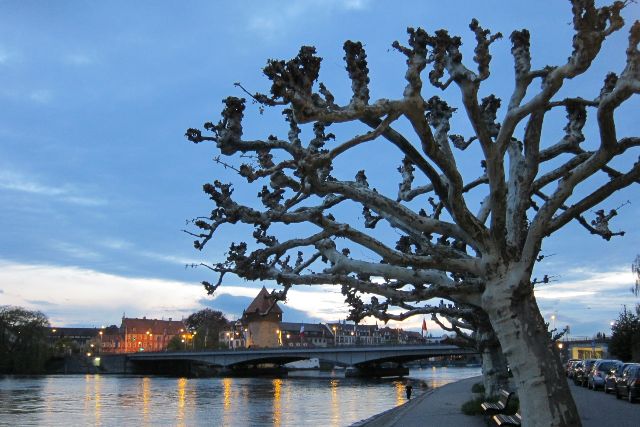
x=345, y=356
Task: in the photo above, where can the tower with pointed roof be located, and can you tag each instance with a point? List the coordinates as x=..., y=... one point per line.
x=261, y=320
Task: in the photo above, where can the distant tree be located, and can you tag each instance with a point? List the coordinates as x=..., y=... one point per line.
x=625, y=336
x=175, y=344
x=23, y=340
x=470, y=234
x=206, y=324
x=635, y=268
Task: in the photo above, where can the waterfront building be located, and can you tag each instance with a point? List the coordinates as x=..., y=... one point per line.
x=135, y=335
x=351, y=334
x=393, y=335
x=232, y=337
x=261, y=320
x=74, y=340
x=305, y=335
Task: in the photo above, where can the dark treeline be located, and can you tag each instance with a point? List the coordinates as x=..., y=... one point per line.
x=24, y=347
x=625, y=336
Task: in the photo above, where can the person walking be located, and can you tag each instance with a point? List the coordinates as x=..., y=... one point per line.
x=408, y=388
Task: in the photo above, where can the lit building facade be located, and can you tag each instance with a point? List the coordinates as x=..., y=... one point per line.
x=136, y=335
x=261, y=320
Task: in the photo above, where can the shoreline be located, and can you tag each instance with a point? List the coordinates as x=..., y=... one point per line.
x=441, y=404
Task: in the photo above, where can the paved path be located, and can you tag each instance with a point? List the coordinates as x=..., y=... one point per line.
x=441, y=408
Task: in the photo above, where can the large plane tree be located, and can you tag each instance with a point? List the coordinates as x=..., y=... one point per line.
x=449, y=241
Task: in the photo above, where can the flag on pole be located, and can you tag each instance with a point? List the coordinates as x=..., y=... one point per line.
x=302, y=330
x=424, y=327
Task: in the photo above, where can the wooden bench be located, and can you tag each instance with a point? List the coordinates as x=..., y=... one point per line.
x=491, y=408
x=508, y=420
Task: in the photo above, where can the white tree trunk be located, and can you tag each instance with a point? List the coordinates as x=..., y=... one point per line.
x=545, y=398
x=495, y=375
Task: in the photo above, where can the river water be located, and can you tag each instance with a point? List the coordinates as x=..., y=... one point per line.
x=305, y=398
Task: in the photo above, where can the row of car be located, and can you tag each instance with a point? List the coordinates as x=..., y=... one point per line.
x=609, y=375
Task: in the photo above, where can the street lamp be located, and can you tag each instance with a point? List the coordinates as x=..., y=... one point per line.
x=334, y=337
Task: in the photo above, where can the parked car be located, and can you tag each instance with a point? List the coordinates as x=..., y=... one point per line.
x=569, y=367
x=599, y=370
x=610, y=379
x=580, y=376
x=628, y=385
x=576, y=370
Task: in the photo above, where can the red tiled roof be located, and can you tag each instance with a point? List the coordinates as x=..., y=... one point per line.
x=153, y=326
x=263, y=304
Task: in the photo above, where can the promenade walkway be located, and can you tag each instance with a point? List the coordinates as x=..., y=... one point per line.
x=441, y=408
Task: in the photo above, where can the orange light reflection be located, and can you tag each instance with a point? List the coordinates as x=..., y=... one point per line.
x=277, y=386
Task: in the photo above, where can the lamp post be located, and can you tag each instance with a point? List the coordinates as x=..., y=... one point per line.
x=335, y=342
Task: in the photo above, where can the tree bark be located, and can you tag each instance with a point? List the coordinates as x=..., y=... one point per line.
x=545, y=398
x=495, y=375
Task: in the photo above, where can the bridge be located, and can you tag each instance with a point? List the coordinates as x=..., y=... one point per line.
x=367, y=360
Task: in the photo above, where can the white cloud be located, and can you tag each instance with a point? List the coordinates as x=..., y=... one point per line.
x=72, y=295
x=82, y=296
x=80, y=59
x=169, y=258
x=75, y=251
x=588, y=283
x=116, y=244
x=274, y=21
x=14, y=181
x=41, y=96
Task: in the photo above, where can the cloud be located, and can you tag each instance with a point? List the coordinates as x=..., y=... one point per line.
x=41, y=96
x=169, y=258
x=13, y=181
x=80, y=59
x=601, y=287
x=75, y=251
x=80, y=296
x=71, y=295
x=116, y=244
x=273, y=22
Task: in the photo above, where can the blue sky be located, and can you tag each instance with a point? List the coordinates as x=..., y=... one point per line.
x=97, y=180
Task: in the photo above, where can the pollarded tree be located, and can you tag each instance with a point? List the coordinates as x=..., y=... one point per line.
x=481, y=254
x=475, y=331
x=470, y=324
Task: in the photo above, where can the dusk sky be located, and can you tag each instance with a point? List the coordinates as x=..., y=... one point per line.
x=97, y=179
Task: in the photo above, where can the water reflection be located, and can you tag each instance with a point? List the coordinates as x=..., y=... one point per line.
x=97, y=382
x=314, y=398
x=227, y=415
x=400, y=398
x=182, y=384
x=277, y=385
x=335, y=402
x=145, y=399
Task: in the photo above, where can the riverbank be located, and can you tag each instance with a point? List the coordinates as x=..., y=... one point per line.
x=438, y=407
